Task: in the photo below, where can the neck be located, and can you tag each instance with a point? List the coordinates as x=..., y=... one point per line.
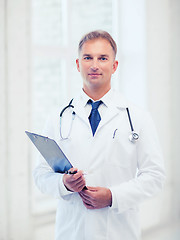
x=96, y=94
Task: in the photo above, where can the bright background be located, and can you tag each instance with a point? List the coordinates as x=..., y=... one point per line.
x=38, y=48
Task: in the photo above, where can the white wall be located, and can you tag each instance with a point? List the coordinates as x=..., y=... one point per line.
x=159, y=99
x=3, y=127
x=163, y=72
x=14, y=74
x=175, y=109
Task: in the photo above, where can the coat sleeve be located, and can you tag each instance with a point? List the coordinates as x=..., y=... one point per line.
x=150, y=173
x=45, y=178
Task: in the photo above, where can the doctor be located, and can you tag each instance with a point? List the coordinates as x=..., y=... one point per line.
x=118, y=172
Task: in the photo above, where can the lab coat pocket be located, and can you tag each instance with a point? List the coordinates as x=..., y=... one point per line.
x=120, y=161
x=127, y=224
x=121, y=152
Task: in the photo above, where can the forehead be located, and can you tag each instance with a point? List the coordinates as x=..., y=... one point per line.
x=97, y=46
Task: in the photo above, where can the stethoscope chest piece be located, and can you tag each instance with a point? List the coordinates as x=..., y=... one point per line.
x=133, y=137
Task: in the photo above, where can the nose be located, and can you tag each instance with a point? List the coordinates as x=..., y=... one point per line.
x=94, y=66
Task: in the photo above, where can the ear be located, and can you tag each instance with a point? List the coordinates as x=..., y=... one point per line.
x=77, y=64
x=115, y=65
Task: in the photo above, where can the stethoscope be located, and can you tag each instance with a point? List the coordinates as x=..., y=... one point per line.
x=133, y=136
x=73, y=116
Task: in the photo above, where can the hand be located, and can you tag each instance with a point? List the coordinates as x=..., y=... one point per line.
x=96, y=197
x=74, y=182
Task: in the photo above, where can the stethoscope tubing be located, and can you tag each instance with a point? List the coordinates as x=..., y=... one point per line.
x=129, y=117
x=133, y=137
x=64, y=109
x=73, y=116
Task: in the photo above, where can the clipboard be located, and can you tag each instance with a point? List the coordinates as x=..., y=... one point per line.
x=51, y=152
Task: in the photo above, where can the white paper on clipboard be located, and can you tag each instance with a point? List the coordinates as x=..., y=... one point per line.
x=52, y=153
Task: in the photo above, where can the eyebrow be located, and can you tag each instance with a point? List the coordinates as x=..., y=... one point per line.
x=89, y=55
x=104, y=55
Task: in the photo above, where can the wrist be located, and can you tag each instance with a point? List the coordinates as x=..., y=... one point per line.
x=110, y=198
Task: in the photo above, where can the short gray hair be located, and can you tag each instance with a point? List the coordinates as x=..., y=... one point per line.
x=95, y=35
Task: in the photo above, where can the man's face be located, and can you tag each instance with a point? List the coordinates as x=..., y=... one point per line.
x=96, y=64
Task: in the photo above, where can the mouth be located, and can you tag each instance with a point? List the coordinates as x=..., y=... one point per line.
x=94, y=74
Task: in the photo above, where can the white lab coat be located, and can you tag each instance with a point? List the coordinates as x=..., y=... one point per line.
x=132, y=171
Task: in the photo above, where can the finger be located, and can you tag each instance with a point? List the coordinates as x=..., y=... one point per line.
x=79, y=182
x=71, y=171
x=77, y=175
x=88, y=206
x=88, y=200
x=88, y=194
x=84, y=196
x=80, y=187
x=75, y=178
x=93, y=189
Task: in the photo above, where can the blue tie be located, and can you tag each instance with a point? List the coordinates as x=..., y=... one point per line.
x=94, y=117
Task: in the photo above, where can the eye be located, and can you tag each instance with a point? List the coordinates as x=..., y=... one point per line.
x=103, y=58
x=87, y=58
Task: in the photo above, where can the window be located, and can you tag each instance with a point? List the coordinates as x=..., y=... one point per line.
x=57, y=26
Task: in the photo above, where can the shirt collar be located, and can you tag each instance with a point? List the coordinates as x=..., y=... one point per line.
x=106, y=99
x=111, y=97
x=84, y=98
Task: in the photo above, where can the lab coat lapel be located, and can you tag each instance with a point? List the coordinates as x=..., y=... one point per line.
x=118, y=103
x=111, y=112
